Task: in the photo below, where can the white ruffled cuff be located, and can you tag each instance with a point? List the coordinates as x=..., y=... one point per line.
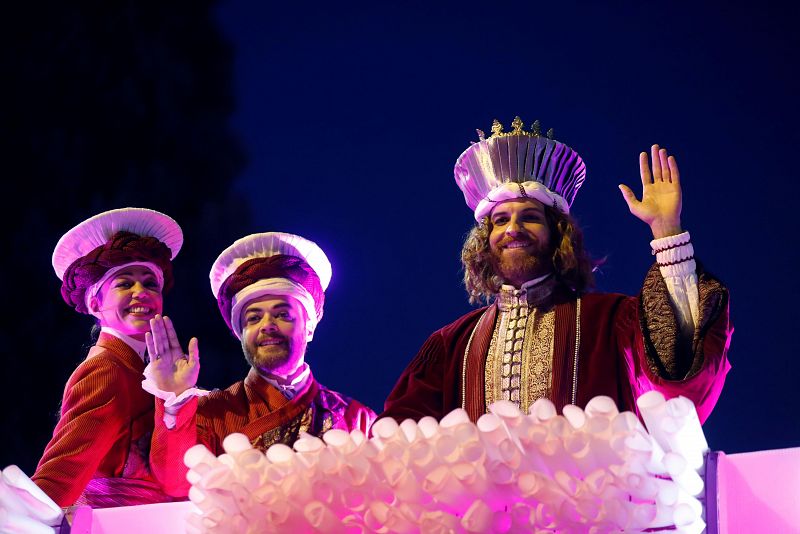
x=172, y=402
x=675, y=257
x=679, y=269
x=674, y=254
x=670, y=241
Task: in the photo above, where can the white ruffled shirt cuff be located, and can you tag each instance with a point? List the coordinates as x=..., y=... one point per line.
x=680, y=277
x=172, y=402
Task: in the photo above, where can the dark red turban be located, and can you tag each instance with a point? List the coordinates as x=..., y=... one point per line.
x=278, y=266
x=123, y=247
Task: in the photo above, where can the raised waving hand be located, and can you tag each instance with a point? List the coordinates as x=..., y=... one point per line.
x=172, y=369
x=660, y=206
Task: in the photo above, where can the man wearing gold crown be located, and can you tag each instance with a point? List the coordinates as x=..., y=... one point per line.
x=544, y=334
x=270, y=289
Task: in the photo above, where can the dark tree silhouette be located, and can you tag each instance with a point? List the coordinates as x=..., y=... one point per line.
x=107, y=105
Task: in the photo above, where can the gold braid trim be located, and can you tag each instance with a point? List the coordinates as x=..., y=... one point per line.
x=668, y=355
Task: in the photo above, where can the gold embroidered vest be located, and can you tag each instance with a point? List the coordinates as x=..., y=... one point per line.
x=519, y=362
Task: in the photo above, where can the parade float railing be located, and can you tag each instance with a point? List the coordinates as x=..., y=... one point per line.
x=586, y=470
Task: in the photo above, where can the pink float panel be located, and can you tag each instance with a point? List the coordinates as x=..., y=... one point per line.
x=759, y=492
x=149, y=518
x=756, y=492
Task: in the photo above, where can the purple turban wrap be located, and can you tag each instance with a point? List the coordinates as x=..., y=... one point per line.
x=123, y=247
x=278, y=266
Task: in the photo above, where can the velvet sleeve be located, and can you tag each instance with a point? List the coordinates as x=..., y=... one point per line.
x=95, y=413
x=168, y=447
x=359, y=416
x=419, y=390
x=675, y=366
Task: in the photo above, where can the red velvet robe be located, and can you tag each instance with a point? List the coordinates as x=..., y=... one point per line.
x=628, y=346
x=103, y=436
x=252, y=407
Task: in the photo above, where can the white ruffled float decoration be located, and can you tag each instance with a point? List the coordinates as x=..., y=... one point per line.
x=592, y=471
x=24, y=507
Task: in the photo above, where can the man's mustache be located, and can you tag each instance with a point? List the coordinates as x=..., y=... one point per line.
x=271, y=337
x=507, y=240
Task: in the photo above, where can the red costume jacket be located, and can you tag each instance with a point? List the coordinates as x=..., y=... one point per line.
x=99, y=451
x=628, y=345
x=253, y=407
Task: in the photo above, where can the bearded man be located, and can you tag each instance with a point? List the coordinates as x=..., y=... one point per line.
x=545, y=334
x=270, y=289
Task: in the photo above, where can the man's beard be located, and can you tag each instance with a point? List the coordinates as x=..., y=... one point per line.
x=519, y=268
x=268, y=360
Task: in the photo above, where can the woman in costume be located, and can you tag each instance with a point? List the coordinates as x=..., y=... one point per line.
x=114, y=266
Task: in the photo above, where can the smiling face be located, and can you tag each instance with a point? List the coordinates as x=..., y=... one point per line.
x=520, y=241
x=128, y=300
x=274, y=334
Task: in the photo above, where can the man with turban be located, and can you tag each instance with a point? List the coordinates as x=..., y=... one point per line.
x=270, y=289
x=544, y=334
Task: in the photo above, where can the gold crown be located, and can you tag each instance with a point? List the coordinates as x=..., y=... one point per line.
x=516, y=129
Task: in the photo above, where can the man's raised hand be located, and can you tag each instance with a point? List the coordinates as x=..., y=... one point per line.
x=660, y=206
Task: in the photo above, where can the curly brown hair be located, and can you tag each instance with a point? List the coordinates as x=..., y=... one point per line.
x=572, y=265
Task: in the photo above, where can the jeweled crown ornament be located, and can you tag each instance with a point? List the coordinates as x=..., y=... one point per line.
x=518, y=164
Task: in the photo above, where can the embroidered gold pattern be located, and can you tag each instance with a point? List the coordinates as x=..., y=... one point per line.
x=287, y=433
x=520, y=358
x=538, y=358
x=324, y=413
x=494, y=360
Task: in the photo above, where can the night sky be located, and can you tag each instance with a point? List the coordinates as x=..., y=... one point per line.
x=342, y=122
